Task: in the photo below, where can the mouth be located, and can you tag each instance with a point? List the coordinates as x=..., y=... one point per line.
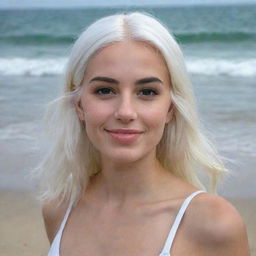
x=124, y=131
x=124, y=136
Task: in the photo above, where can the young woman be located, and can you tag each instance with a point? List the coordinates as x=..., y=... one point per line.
x=121, y=171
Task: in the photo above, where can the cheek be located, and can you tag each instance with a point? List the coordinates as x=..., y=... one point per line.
x=155, y=119
x=95, y=113
x=158, y=112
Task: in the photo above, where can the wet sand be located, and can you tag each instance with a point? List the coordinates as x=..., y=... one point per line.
x=22, y=229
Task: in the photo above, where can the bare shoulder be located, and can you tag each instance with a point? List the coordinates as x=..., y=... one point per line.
x=53, y=212
x=216, y=226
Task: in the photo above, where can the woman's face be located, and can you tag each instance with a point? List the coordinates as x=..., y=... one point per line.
x=125, y=101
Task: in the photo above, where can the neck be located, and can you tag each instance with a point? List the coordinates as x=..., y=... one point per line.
x=141, y=181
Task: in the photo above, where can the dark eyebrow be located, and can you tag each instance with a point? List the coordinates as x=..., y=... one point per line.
x=148, y=80
x=138, y=82
x=104, y=79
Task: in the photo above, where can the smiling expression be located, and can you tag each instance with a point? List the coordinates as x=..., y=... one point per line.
x=125, y=100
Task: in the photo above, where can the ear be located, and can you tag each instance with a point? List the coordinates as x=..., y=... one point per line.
x=79, y=109
x=170, y=113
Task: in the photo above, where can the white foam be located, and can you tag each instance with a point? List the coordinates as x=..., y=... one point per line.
x=246, y=67
x=55, y=66
x=32, y=67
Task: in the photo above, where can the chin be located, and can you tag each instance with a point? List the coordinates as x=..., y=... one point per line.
x=126, y=157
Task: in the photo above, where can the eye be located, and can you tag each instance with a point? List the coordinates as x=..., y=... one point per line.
x=104, y=91
x=148, y=92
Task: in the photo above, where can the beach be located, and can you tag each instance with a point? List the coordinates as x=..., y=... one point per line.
x=22, y=229
x=220, y=55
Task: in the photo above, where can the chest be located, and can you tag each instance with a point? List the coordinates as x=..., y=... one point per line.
x=108, y=233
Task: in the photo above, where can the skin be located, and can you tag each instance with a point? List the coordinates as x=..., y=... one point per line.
x=129, y=207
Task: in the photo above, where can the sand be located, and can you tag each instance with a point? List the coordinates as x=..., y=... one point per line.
x=22, y=229
x=21, y=226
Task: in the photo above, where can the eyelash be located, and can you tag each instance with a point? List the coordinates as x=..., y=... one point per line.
x=98, y=91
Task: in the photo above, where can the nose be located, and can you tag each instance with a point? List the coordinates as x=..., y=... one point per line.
x=125, y=110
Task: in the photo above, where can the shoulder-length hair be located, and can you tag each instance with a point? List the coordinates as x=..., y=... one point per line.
x=183, y=150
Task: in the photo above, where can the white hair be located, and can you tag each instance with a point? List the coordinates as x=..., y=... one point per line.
x=72, y=159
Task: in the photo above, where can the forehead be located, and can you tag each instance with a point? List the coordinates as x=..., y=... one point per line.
x=129, y=57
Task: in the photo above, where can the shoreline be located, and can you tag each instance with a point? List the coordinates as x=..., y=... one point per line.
x=22, y=229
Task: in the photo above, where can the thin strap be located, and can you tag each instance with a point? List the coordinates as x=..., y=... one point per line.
x=63, y=223
x=55, y=246
x=168, y=244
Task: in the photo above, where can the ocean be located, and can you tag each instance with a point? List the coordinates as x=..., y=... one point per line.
x=220, y=52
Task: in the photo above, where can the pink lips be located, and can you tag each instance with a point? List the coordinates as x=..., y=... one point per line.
x=124, y=135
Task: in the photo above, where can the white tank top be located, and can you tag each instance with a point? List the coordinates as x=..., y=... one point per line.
x=55, y=246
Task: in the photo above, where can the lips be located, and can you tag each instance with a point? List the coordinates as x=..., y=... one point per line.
x=124, y=131
x=124, y=136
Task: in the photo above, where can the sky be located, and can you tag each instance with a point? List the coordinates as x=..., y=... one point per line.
x=88, y=3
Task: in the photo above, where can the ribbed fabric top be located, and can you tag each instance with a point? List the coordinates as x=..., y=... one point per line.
x=55, y=246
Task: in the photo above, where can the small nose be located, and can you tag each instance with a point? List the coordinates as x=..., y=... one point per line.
x=125, y=110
